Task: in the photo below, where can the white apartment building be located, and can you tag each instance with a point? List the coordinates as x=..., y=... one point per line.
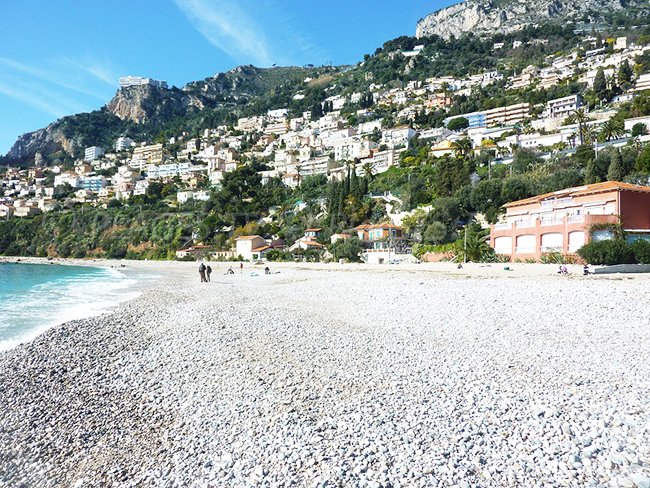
x=92, y=153
x=642, y=83
x=123, y=144
x=70, y=178
x=352, y=147
x=563, y=107
x=278, y=128
x=126, y=81
x=397, y=136
x=168, y=170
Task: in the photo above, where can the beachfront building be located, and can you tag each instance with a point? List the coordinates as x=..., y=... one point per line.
x=308, y=241
x=562, y=221
x=250, y=247
x=382, y=242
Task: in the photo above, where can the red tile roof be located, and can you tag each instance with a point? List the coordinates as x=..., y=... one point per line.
x=377, y=226
x=578, y=191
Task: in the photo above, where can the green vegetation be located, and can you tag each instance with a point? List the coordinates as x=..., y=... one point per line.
x=135, y=232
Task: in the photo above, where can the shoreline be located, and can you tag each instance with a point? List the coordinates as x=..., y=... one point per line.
x=315, y=375
x=118, y=286
x=469, y=270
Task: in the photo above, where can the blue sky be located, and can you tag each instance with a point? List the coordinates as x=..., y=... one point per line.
x=60, y=57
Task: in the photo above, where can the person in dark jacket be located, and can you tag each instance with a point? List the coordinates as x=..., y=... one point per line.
x=208, y=272
x=202, y=273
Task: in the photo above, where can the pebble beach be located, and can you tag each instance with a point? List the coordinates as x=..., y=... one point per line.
x=339, y=376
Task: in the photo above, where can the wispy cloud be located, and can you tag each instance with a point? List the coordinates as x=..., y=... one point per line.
x=51, y=77
x=39, y=97
x=270, y=37
x=226, y=26
x=101, y=69
x=56, y=88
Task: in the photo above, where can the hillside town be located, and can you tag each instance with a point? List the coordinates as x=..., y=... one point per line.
x=325, y=142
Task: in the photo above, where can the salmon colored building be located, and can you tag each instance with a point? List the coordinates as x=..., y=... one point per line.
x=561, y=221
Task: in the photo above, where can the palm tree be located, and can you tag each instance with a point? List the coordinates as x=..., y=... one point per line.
x=589, y=134
x=580, y=117
x=611, y=129
x=572, y=140
x=462, y=148
x=368, y=170
x=298, y=170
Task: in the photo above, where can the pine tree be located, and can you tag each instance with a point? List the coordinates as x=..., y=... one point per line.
x=600, y=84
x=615, y=170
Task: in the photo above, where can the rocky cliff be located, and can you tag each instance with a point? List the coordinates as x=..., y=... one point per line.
x=143, y=104
x=150, y=108
x=491, y=16
x=47, y=141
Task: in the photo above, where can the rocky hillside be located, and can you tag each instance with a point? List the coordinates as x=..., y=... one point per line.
x=490, y=16
x=144, y=110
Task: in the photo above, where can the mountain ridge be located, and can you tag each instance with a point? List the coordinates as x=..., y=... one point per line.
x=504, y=16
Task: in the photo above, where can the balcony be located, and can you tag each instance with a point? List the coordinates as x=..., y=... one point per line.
x=524, y=224
x=552, y=221
x=503, y=226
x=575, y=219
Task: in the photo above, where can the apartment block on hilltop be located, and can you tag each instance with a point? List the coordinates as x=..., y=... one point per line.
x=561, y=221
x=126, y=81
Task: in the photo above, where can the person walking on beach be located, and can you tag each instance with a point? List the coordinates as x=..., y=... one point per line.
x=208, y=272
x=202, y=273
x=241, y=268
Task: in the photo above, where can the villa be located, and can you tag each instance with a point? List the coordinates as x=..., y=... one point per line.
x=562, y=221
x=383, y=241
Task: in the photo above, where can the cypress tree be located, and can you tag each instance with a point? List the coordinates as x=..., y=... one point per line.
x=346, y=184
x=600, y=84
x=355, y=189
x=340, y=217
x=615, y=171
x=364, y=186
x=334, y=204
x=624, y=73
x=590, y=172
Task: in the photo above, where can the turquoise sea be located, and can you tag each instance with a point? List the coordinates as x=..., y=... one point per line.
x=34, y=297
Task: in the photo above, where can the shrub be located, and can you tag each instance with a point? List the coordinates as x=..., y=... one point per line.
x=609, y=252
x=348, y=249
x=641, y=249
x=552, y=258
x=275, y=255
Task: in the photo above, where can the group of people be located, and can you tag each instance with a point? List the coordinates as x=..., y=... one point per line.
x=563, y=270
x=206, y=271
